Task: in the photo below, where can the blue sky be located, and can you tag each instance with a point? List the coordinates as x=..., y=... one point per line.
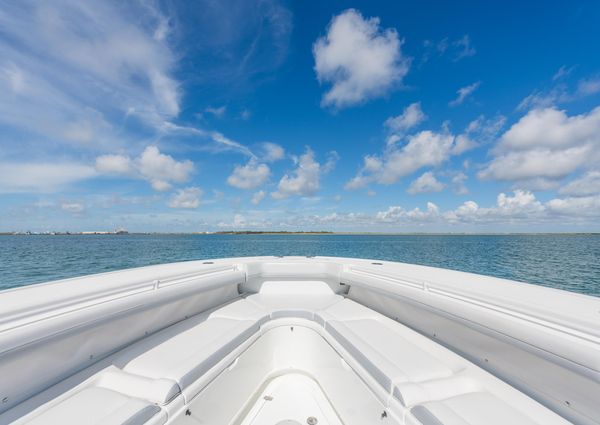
x=350, y=116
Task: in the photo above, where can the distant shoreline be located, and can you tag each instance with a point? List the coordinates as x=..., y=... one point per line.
x=300, y=233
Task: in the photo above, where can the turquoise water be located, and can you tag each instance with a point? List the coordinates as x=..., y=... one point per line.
x=570, y=262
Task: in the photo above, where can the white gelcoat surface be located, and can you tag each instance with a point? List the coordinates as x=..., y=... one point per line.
x=292, y=399
x=225, y=352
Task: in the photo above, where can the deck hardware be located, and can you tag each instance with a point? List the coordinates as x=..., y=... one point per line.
x=292, y=328
x=486, y=360
x=311, y=420
x=568, y=402
x=91, y=356
x=268, y=398
x=208, y=262
x=188, y=412
x=384, y=415
x=5, y=399
x=377, y=264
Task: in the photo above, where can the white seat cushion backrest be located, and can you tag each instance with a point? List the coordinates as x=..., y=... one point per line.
x=478, y=408
x=93, y=406
x=188, y=355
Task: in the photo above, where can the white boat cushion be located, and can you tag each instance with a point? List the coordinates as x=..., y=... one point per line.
x=348, y=310
x=412, y=393
x=158, y=391
x=242, y=309
x=478, y=408
x=294, y=305
x=95, y=406
x=186, y=355
x=383, y=351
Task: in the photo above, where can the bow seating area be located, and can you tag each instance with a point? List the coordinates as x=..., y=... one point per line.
x=238, y=361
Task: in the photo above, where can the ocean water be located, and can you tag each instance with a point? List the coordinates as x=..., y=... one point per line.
x=569, y=262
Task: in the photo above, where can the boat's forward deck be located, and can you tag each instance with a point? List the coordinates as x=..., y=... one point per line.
x=292, y=342
x=290, y=359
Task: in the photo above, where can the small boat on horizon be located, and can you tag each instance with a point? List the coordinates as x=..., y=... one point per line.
x=294, y=341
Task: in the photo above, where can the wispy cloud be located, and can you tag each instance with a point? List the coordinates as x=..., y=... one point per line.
x=217, y=141
x=236, y=43
x=464, y=48
x=563, y=72
x=96, y=77
x=411, y=117
x=464, y=92
x=458, y=49
x=67, y=74
x=33, y=177
x=561, y=91
x=218, y=112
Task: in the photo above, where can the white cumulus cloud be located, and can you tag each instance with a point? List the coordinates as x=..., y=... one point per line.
x=426, y=183
x=238, y=222
x=395, y=214
x=522, y=206
x=272, y=152
x=544, y=146
x=588, y=184
x=159, y=169
x=114, y=164
x=188, y=197
x=249, y=176
x=411, y=117
x=359, y=59
x=303, y=181
x=258, y=197
x=424, y=149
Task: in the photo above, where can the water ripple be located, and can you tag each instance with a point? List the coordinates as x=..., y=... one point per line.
x=570, y=262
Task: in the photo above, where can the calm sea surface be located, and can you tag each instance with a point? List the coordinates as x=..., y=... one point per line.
x=570, y=262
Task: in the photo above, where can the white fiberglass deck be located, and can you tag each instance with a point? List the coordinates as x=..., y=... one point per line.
x=287, y=341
